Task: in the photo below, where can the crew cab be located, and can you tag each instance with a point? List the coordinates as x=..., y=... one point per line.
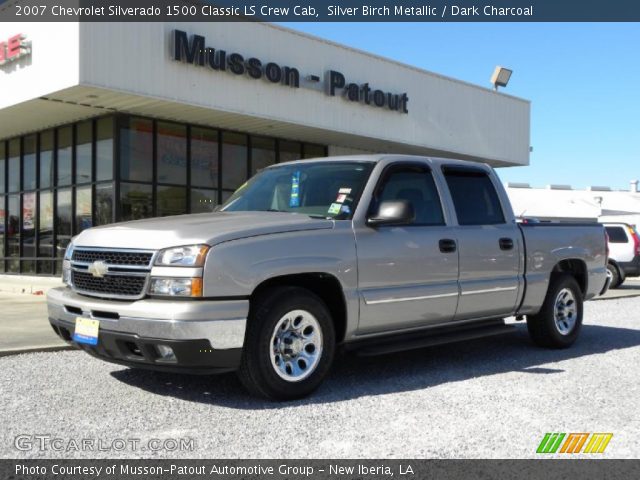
x=370, y=253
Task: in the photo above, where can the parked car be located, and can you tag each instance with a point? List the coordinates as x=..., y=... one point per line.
x=624, y=252
x=370, y=253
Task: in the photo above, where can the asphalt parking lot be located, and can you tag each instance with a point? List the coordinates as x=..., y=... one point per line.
x=490, y=398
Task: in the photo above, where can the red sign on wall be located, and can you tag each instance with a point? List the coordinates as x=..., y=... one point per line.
x=13, y=48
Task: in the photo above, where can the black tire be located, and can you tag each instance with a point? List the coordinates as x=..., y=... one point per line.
x=257, y=371
x=543, y=328
x=616, y=278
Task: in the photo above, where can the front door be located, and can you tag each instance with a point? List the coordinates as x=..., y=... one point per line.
x=408, y=275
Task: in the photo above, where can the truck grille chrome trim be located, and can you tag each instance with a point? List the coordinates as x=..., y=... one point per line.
x=125, y=277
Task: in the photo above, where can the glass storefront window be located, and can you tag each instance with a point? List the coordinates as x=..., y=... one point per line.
x=289, y=150
x=65, y=156
x=104, y=204
x=64, y=218
x=234, y=160
x=104, y=149
x=2, y=163
x=84, y=138
x=136, y=149
x=46, y=159
x=172, y=153
x=263, y=153
x=45, y=224
x=13, y=233
x=171, y=201
x=136, y=201
x=203, y=200
x=45, y=231
x=314, y=151
x=14, y=165
x=28, y=232
x=83, y=208
x=204, y=157
x=2, y=218
x=29, y=162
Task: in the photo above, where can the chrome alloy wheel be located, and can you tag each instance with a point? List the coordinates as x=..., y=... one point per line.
x=296, y=345
x=565, y=311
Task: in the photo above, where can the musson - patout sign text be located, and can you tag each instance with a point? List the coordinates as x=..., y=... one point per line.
x=14, y=48
x=193, y=50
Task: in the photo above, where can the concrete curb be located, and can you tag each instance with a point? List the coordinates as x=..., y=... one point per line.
x=46, y=348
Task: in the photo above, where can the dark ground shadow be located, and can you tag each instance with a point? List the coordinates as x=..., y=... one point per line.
x=353, y=376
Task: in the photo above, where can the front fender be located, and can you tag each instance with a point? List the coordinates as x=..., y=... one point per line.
x=236, y=268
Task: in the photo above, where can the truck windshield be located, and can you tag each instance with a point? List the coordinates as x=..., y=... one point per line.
x=319, y=189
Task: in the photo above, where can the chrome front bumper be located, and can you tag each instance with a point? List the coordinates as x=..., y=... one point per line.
x=222, y=323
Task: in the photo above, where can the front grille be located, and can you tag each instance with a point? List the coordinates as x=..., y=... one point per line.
x=113, y=257
x=124, y=277
x=111, y=285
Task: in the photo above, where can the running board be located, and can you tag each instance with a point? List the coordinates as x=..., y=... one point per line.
x=429, y=338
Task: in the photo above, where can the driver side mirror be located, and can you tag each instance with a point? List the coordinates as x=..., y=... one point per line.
x=396, y=212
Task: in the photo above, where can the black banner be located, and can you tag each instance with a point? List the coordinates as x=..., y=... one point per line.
x=551, y=469
x=321, y=10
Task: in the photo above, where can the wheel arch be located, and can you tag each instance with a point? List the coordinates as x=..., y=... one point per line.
x=575, y=267
x=325, y=285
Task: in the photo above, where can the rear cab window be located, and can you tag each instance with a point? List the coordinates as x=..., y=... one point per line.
x=475, y=199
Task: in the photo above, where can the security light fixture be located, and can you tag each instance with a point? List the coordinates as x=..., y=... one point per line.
x=500, y=77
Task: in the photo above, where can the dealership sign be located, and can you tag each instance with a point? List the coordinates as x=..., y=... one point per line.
x=195, y=52
x=14, y=48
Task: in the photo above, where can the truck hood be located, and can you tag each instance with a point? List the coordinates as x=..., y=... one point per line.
x=207, y=228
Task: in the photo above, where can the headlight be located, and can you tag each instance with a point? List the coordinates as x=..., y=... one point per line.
x=176, y=287
x=189, y=256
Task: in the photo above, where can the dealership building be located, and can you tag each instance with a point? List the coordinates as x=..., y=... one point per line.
x=108, y=122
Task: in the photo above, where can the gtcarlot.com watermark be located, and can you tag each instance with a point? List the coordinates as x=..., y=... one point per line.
x=50, y=443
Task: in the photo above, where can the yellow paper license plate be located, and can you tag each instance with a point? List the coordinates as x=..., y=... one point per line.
x=86, y=331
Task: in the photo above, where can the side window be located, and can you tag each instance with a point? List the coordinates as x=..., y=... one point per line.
x=474, y=197
x=416, y=185
x=616, y=235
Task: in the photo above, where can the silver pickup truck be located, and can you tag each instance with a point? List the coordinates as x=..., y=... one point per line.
x=374, y=253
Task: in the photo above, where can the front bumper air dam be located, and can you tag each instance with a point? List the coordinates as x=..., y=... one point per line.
x=205, y=336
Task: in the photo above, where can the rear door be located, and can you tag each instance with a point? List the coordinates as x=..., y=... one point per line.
x=408, y=275
x=489, y=246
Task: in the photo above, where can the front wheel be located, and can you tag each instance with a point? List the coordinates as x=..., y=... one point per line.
x=289, y=345
x=558, y=322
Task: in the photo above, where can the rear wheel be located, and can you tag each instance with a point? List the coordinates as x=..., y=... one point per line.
x=558, y=322
x=616, y=277
x=289, y=345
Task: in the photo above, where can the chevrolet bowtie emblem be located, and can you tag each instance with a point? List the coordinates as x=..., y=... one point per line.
x=98, y=269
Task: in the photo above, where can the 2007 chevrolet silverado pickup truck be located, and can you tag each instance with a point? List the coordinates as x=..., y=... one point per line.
x=376, y=253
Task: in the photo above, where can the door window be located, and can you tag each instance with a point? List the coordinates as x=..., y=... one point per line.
x=474, y=197
x=416, y=185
